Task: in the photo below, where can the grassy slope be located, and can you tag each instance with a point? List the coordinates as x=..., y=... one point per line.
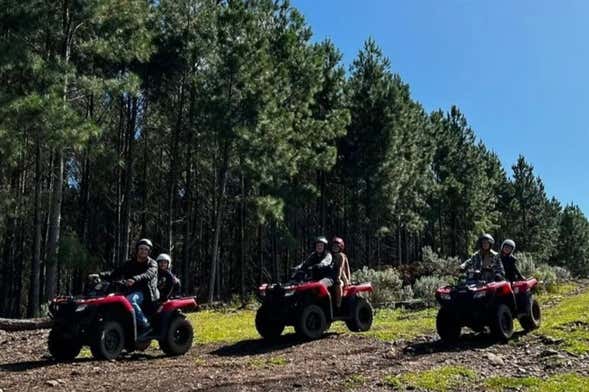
x=567, y=320
x=232, y=326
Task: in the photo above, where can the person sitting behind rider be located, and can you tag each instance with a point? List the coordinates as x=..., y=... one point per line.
x=140, y=275
x=512, y=274
x=341, y=269
x=485, y=260
x=167, y=283
x=320, y=261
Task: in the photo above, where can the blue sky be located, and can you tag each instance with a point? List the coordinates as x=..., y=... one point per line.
x=518, y=70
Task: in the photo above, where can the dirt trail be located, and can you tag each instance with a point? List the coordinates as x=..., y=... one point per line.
x=327, y=364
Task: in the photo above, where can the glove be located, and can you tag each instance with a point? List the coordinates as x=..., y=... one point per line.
x=499, y=278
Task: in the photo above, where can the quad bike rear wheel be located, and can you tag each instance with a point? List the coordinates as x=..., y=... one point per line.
x=532, y=319
x=361, y=316
x=266, y=327
x=311, y=323
x=447, y=326
x=108, y=341
x=62, y=346
x=502, y=323
x=178, y=338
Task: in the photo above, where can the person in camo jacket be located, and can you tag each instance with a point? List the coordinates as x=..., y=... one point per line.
x=486, y=260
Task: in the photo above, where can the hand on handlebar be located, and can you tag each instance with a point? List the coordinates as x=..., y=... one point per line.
x=129, y=282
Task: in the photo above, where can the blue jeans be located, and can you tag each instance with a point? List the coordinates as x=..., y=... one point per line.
x=136, y=299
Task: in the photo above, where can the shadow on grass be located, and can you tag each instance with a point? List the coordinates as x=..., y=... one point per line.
x=467, y=341
x=262, y=346
x=48, y=362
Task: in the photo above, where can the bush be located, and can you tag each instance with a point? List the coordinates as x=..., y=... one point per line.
x=407, y=293
x=562, y=274
x=438, y=265
x=387, y=284
x=525, y=264
x=548, y=275
x=426, y=286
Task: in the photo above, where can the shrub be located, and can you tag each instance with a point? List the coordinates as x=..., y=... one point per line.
x=562, y=274
x=387, y=284
x=407, y=293
x=545, y=274
x=525, y=264
x=438, y=265
x=548, y=275
x=426, y=286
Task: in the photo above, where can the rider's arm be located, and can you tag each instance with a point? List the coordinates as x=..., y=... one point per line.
x=148, y=275
x=306, y=263
x=498, y=268
x=466, y=265
x=518, y=275
x=326, y=262
x=347, y=273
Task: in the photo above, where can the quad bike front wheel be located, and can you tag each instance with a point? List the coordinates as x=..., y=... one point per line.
x=62, y=346
x=502, y=323
x=311, y=323
x=447, y=326
x=108, y=341
x=178, y=338
x=533, y=317
x=267, y=328
x=361, y=316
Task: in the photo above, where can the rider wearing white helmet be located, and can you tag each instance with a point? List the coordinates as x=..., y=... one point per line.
x=512, y=274
x=167, y=283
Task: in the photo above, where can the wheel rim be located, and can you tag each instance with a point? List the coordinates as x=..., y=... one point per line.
x=313, y=322
x=181, y=336
x=112, y=341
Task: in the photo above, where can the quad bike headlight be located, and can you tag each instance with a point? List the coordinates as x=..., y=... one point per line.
x=479, y=294
x=81, y=308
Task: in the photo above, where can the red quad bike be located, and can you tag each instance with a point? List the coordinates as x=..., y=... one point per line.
x=307, y=305
x=477, y=304
x=104, y=319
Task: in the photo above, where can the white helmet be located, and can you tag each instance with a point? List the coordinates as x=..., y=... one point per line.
x=165, y=257
x=509, y=243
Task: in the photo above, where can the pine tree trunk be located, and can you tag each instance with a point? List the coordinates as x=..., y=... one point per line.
x=242, y=247
x=126, y=224
x=54, y=228
x=218, y=222
x=33, y=310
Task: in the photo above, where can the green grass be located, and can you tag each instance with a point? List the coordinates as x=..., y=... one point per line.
x=569, y=320
x=562, y=382
x=439, y=379
x=451, y=378
x=397, y=324
x=233, y=326
x=224, y=326
x=354, y=381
